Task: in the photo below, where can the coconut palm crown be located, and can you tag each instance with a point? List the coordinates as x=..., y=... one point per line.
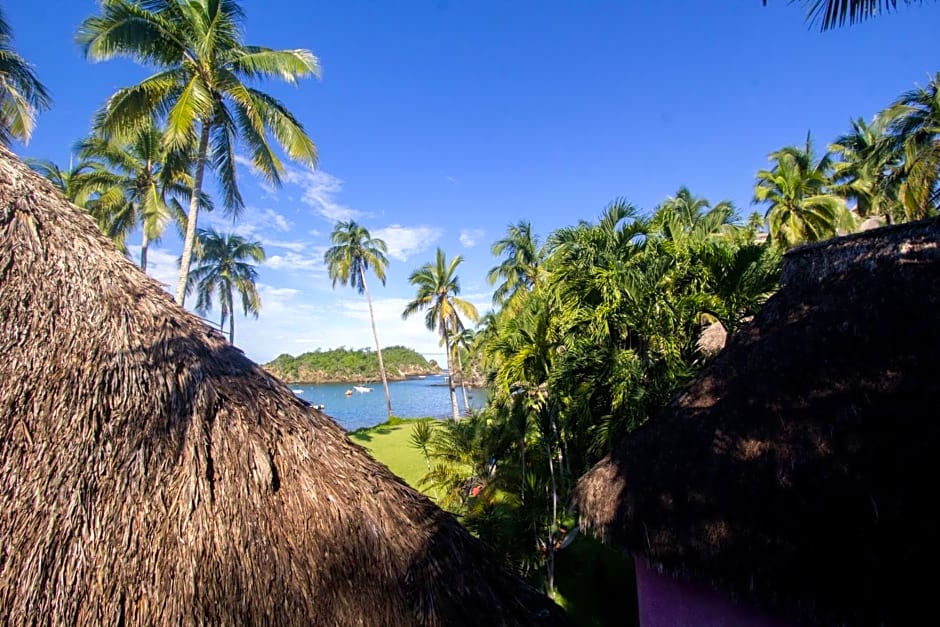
x=914, y=122
x=832, y=13
x=353, y=253
x=201, y=87
x=145, y=185
x=438, y=286
x=224, y=266
x=796, y=188
x=519, y=268
x=22, y=96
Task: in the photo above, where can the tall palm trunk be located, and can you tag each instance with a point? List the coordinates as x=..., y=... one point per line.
x=550, y=555
x=193, y=214
x=144, y=243
x=463, y=381
x=231, y=316
x=378, y=348
x=450, y=379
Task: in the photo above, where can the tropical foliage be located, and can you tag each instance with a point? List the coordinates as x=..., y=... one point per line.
x=22, y=96
x=832, y=13
x=591, y=350
x=914, y=124
x=344, y=364
x=595, y=327
x=797, y=190
x=438, y=287
x=77, y=184
x=142, y=186
x=519, y=270
x=355, y=252
x=201, y=88
x=224, y=268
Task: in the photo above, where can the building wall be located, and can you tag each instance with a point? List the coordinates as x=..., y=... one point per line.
x=665, y=601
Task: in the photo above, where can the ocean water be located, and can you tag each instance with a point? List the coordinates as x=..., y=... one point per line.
x=412, y=398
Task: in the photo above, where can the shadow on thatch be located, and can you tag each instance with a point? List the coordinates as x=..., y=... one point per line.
x=151, y=474
x=798, y=469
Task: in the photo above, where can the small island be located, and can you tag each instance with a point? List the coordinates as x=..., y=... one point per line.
x=343, y=365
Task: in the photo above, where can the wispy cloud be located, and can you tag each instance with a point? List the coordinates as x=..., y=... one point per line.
x=311, y=261
x=319, y=191
x=289, y=323
x=296, y=247
x=252, y=222
x=391, y=327
x=470, y=237
x=405, y=241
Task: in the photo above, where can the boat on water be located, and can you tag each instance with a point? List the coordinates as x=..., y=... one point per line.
x=361, y=389
x=297, y=391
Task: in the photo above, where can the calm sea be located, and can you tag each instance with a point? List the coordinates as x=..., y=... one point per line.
x=413, y=398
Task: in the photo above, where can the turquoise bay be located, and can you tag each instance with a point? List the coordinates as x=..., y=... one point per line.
x=412, y=398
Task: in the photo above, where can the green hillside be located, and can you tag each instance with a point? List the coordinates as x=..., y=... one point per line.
x=343, y=365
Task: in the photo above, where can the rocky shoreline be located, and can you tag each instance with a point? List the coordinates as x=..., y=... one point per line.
x=318, y=377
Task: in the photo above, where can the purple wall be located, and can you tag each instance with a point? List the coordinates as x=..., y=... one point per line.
x=668, y=602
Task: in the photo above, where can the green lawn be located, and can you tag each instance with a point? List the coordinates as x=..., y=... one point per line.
x=389, y=444
x=594, y=583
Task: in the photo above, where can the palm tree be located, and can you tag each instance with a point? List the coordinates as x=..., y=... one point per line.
x=201, y=67
x=463, y=339
x=914, y=121
x=438, y=287
x=91, y=186
x=223, y=266
x=832, y=13
x=150, y=180
x=686, y=221
x=866, y=170
x=73, y=183
x=354, y=252
x=22, y=96
x=797, y=190
x=520, y=268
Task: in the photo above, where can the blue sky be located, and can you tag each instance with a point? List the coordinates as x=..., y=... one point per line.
x=441, y=122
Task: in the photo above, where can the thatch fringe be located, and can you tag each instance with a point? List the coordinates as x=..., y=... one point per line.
x=151, y=474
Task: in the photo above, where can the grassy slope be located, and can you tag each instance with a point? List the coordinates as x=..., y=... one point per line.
x=594, y=583
x=389, y=444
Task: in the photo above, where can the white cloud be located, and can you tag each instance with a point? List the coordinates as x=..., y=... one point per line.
x=295, y=261
x=286, y=245
x=391, y=328
x=470, y=237
x=276, y=294
x=319, y=191
x=279, y=221
x=251, y=222
x=404, y=241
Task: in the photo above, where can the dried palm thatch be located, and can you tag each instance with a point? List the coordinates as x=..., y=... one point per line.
x=799, y=469
x=712, y=339
x=152, y=474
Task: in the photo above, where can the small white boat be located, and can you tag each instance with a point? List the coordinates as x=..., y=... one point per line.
x=297, y=391
x=361, y=389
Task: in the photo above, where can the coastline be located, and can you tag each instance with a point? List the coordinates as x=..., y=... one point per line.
x=317, y=378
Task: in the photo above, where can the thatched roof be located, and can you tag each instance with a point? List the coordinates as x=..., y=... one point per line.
x=799, y=469
x=152, y=474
